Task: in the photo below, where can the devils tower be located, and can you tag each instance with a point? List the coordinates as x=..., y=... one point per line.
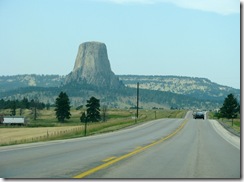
x=92, y=67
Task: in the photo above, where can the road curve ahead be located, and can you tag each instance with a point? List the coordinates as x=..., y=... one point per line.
x=164, y=148
x=68, y=158
x=198, y=151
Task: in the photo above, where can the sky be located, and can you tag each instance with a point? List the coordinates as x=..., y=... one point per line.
x=195, y=38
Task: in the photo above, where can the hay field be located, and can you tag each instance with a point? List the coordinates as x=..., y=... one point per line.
x=23, y=134
x=46, y=127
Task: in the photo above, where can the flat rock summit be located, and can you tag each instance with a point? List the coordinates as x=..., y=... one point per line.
x=92, y=67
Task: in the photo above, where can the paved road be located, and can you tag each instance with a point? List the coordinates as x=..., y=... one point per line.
x=67, y=158
x=196, y=151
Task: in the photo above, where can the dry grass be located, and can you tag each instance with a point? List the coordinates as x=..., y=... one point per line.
x=18, y=134
x=74, y=128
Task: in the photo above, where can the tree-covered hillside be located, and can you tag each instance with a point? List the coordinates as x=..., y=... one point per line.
x=17, y=81
x=155, y=91
x=196, y=87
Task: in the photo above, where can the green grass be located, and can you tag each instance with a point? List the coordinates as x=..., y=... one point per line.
x=236, y=122
x=123, y=120
x=117, y=119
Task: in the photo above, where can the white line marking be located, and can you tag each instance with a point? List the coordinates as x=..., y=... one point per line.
x=229, y=137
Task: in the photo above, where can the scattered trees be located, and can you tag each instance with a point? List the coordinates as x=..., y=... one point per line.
x=62, y=105
x=13, y=105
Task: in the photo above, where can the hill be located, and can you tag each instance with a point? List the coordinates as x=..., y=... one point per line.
x=201, y=88
x=19, y=81
x=155, y=91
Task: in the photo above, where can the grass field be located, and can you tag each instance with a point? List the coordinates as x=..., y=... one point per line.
x=236, y=121
x=46, y=127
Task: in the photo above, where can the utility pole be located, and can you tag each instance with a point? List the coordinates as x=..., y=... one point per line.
x=85, y=123
x=137, y=102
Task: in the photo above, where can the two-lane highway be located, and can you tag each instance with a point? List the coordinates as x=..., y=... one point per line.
x=198, y=151
x=193, y=149
x=67, y=158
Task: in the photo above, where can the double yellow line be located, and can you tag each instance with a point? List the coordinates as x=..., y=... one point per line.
x=114, y=160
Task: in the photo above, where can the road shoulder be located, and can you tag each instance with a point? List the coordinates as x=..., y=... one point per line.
x=225, y=134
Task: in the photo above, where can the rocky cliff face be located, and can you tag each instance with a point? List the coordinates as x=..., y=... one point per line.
x=93, y=67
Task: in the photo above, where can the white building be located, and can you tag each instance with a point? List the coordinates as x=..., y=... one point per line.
x=13, y=120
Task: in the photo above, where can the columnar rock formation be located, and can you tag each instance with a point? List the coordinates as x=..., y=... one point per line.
x=92, y=67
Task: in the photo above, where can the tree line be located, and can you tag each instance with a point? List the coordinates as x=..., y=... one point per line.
x=62, y=108
x=13, y=105
x=24, y=104
x=93, y=113
x=230, y=109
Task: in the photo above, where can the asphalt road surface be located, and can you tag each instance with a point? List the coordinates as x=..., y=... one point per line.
x=164, y=148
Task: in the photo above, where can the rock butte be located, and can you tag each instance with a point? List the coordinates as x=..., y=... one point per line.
x=92, y=67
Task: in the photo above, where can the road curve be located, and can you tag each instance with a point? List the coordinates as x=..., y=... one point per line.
x=67, y=158
x=198, y=151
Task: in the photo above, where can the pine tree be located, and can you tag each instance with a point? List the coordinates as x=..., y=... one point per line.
x=62, y=105
x=83, y=118
x=25, y=103
x=93, y=110
x=230, y=107
x=13, y=108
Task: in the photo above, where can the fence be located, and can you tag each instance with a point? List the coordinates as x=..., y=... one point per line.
x=48, y=135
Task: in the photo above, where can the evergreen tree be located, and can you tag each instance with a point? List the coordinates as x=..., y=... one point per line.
x=83, y=118
x=25, y=103
x=62, y=105
x=48, y=105
x=230, y=107
x=13, y=108
x=93, y=109
x=1, y=118
x=34, y=105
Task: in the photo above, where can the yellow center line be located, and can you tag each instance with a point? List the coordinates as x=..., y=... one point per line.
x=137, y=150
x=138, y=147
x=109, y=159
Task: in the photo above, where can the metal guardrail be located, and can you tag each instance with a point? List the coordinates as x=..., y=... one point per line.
x=229, y=128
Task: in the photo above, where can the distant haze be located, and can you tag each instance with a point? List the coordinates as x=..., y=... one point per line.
x=143, y=37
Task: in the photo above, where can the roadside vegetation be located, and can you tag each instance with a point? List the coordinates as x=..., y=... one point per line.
x=47, y=127
x=228, y=122
x=229, y=113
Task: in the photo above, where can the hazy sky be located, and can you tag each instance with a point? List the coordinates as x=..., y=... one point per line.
x=197, y=38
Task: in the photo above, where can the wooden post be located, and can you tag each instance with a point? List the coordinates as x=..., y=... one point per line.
x=137, y=102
